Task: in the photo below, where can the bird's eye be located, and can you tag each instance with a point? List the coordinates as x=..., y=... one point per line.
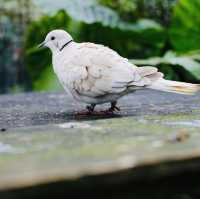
x=52, y=38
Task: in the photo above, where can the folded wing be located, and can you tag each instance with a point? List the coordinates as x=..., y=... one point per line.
x=98, y=70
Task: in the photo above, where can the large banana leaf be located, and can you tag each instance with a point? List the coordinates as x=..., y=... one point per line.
x=185, y=28
x=89, y=11
x=100, y=24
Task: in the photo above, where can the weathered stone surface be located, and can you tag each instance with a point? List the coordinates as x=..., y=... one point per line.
x=75, y=149
x=42, y=108
x=158, y=138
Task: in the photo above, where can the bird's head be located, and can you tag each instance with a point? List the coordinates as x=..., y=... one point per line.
x=56, y=40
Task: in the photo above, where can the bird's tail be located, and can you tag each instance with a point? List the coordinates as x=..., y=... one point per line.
x=175, y=87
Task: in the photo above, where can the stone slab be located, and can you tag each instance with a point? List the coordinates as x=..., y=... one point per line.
x=42, y=142
x=47, y=108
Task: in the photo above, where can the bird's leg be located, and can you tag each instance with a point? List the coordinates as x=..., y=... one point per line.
x=91, y=108
x=113, y=107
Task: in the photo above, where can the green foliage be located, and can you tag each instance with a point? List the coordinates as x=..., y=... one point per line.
x=185, y=29
x=48, y=81
x=95, y=18
x=189, y=63
x=159, y=10
x=143, y=37
x=125, y=8
x=138, y=42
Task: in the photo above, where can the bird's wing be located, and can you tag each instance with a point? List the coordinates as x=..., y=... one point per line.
x=98, y=70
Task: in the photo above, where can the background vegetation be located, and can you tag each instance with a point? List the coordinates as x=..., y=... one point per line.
x=162, y=33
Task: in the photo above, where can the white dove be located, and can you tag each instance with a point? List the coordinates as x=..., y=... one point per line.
x=95, y=74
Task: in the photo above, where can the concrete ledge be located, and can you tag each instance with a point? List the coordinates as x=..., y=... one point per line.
x=47, y=108
x=151, y=149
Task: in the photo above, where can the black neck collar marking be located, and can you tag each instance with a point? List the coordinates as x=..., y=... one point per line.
x=66, y=44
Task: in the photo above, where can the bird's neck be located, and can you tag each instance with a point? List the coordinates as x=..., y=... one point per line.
x=59, y=57
x=57, y=50
x=66, y=44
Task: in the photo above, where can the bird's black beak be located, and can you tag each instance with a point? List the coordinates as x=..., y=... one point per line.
x=42, y=45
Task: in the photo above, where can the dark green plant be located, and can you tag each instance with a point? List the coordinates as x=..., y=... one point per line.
x=103, y=25
x=129, y=44
x=131, y=10
x=176, y=67
x=185, y=27
x=126, y=8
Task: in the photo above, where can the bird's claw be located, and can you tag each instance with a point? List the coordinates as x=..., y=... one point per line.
x=113, y=107
x=112, y=110
x=90, y=109
x=116, y=108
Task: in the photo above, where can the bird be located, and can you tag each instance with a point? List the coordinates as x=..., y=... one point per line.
x=95, y=74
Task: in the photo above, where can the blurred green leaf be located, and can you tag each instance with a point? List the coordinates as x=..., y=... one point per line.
x=195, y=54
x=48, y=81
x=90, y=12
x=172, y=59
x=125, y=8
x=185, y=28
x=158, y=10
x=102, y=25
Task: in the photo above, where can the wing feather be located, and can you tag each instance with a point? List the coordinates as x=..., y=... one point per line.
x=100, y=71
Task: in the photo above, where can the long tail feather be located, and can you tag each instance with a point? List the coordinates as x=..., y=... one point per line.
x=175, y=87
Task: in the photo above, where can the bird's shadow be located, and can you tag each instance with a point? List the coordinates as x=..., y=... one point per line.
x=85, y=115
x=62, y=117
